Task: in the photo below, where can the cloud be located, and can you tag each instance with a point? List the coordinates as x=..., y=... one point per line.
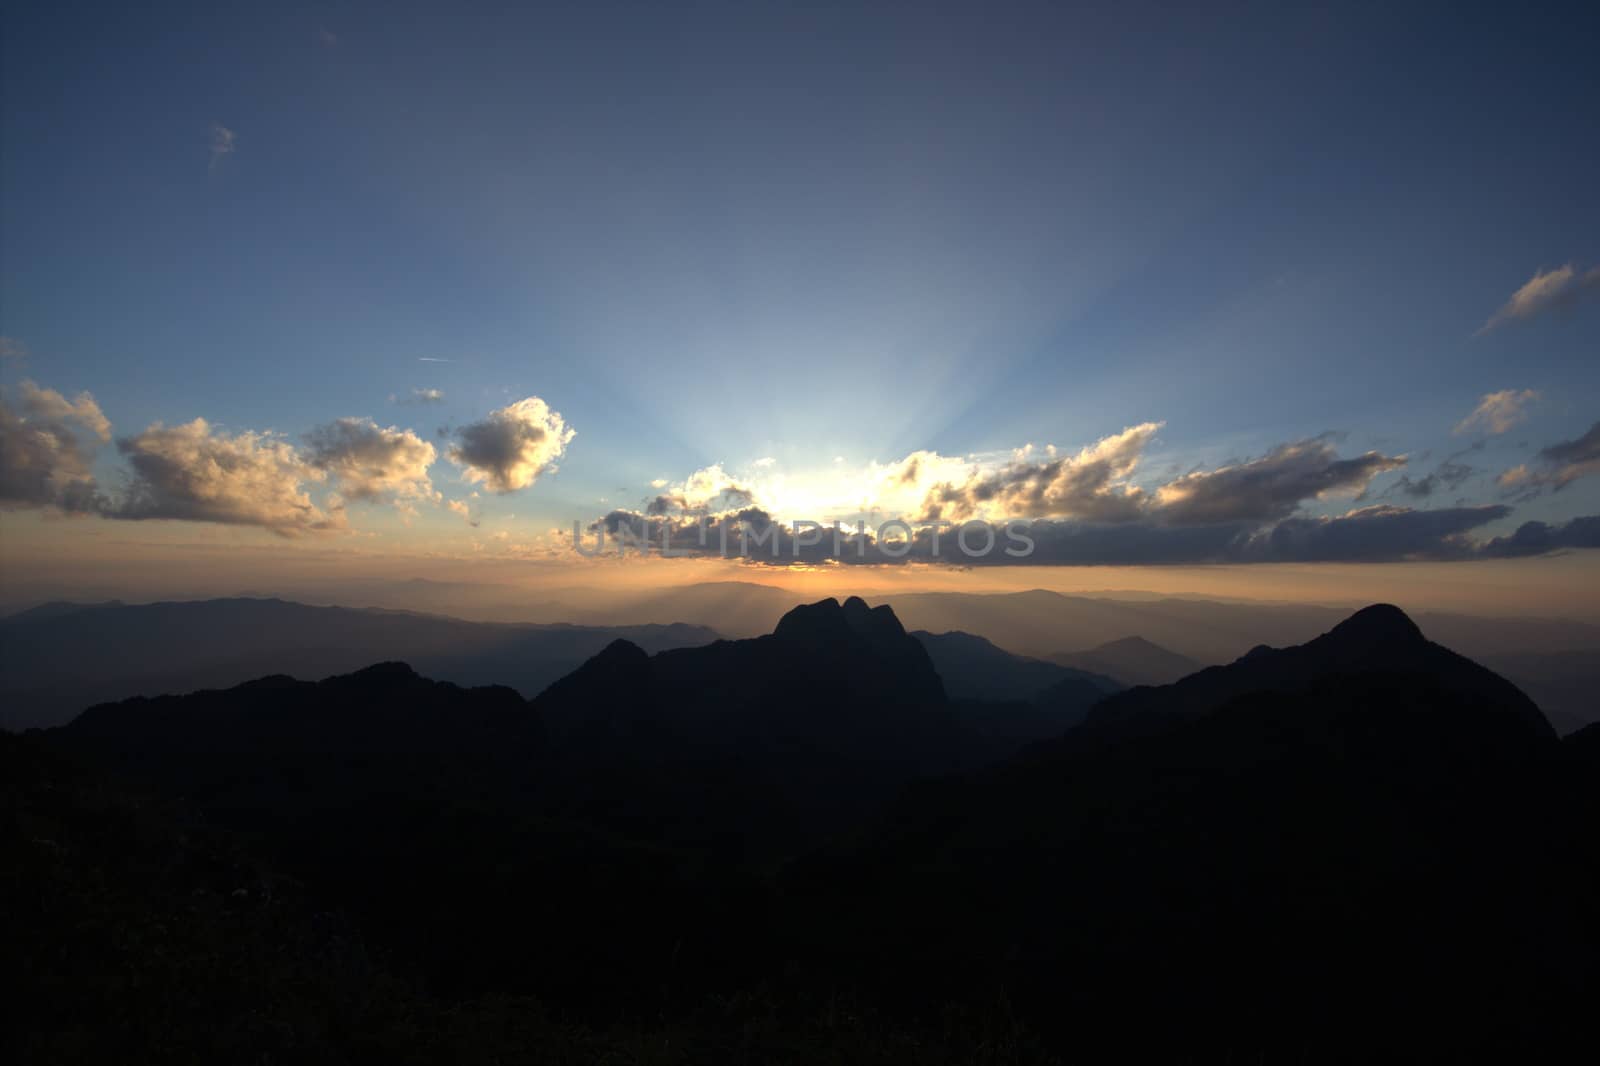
x=513, y=447
x=327, y=38
x=1539, y=538
x=194, y=472
x=1371, y=534
x=765, y=460
x=13, y=350
x=1557, y=466
x=708, y=490
x=47, y=447
x=1497, y=412
x=222, y=143
x=460, y=507
x=418, y=396
x=1448, y=476
x=1092, y=484
x=1271, y=487
x=659, y=483
x=372, y=462
x=1547, y=290
x=431, y=359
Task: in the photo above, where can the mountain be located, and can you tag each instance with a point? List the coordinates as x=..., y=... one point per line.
x=1377, y=646
x=54, y=665
x=55, y=609
x=1131, y=661
x=800, y=729
x=1041, y=623
x=385, y=709
x=1364, y=847
x=1344, y=845
x=973, y=668
x=733, y=608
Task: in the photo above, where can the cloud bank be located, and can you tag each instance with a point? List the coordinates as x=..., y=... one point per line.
x=1272, y=486
x=197, y=473
x=1370, y=534
x=1091, y=484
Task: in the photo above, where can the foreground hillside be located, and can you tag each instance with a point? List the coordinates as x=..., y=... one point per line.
x=799, y=847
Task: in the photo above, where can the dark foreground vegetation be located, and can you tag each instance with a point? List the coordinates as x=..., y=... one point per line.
x=800, y=849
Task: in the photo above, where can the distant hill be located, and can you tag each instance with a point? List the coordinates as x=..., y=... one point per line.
x=1131, y=661
x=1042, y=623
x=1565, y=684
x=54, y=664
x=974, y=668
x=1374, y=648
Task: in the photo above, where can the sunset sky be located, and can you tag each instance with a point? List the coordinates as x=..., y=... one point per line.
x=395, y=291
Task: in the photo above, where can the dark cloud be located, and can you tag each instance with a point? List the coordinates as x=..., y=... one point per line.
x=1539, y=538
x=1271, y=487
x=1448, y=476
x=1372, y=534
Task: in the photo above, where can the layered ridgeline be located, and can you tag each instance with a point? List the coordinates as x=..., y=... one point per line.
x=1364, y=846
x=57, y=659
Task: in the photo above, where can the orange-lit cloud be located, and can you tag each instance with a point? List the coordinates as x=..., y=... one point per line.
x=195, y=472
x=1547, y=290
x=47, y=444
x=1497, y=412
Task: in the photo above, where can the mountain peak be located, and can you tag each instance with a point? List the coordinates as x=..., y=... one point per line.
x=1382, y=623
x=619, y=652
x=830, y=620
x=384, y=671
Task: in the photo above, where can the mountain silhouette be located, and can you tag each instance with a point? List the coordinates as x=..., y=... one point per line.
x=1361, y=847
x=1376, y=646
x=1131, y=661
x=807, y=727
x=56, y=663
x=973, y=668
x=1237, y=852
x=845, y=677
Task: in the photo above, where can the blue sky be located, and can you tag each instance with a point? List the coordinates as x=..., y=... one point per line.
x=718, y=233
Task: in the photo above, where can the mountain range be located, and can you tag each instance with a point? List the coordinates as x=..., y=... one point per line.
x=1362, y=846
x=60, y=658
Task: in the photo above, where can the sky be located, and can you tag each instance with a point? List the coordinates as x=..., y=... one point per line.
x=411, y=286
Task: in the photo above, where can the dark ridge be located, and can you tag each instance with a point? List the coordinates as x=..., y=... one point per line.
x=1377, y=643
x=1382, y=623
x=620, y=652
